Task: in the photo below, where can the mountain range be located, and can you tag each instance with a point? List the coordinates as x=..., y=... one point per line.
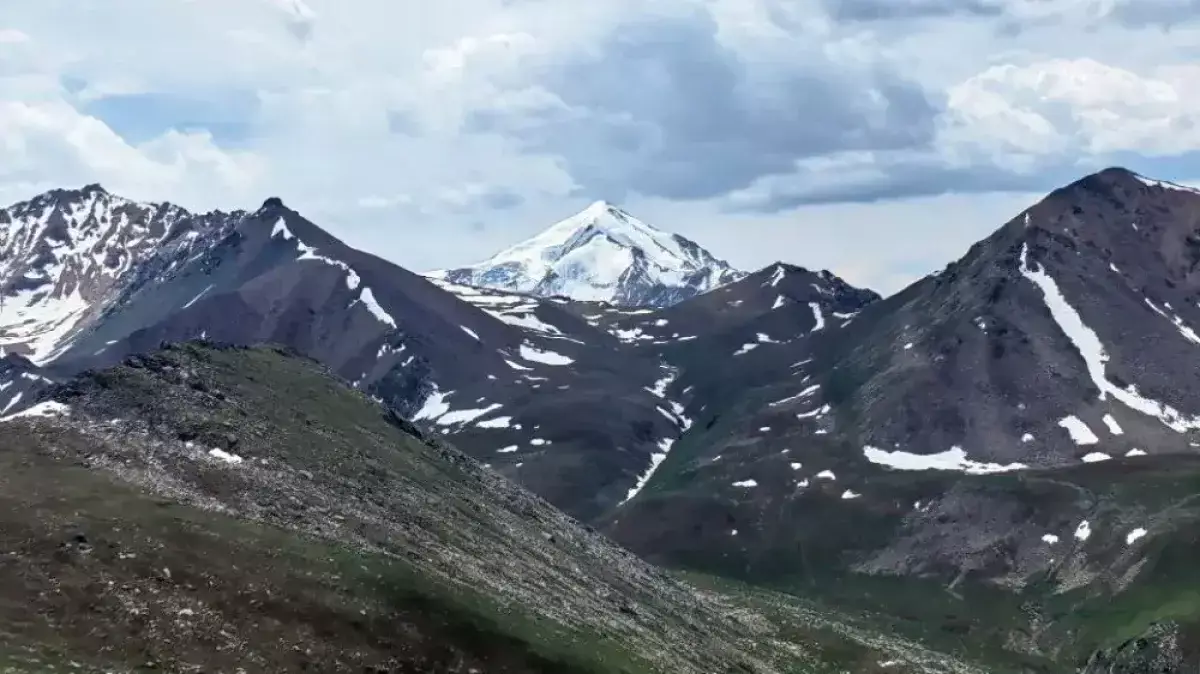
x=1012, y=439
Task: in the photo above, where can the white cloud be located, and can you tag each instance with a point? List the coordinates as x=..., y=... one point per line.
x=1081, y=105
x=433, y=133
x=10, y=36
x=52, y=134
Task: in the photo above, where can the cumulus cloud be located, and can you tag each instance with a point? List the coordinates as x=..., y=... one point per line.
x=50, y=143
x=1009, y=128
x=1067, y=106
x=663, y=107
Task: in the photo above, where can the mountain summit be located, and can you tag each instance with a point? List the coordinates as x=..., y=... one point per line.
x=603, y=254
x=65, y=254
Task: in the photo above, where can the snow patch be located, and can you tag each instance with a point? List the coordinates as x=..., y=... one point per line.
x=281, y=229
x=817, y=316
x=1094, y=355
x=465, y=416
x=656, y=459
x=309, y=253
x=1188, y=333
x=13, y=402
x=198, y=296
x=498, y=422
x=817, y=413
x=1151, y=182
x=524, y=318
x=41, y=321
x=48, y=408
x=224, y=456
x=803, y=394
x=1079, y=431
x=435, y=405
x=954, y=459
x=545, y=357
x=368, y=300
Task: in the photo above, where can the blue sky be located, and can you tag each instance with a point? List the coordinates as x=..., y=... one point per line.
x=875, y=138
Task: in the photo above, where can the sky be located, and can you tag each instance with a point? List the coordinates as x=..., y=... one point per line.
x=874, y=138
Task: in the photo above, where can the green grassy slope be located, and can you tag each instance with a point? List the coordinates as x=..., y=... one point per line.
x=343, y=541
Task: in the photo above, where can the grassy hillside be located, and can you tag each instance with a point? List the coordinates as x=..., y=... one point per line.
x=229, y=509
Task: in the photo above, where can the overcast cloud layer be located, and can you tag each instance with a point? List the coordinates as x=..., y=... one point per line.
x=876, y=138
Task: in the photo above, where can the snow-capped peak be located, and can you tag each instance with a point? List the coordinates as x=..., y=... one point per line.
x=62, y=255
x=603, y=254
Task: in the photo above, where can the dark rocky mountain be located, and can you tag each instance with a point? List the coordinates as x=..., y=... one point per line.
x=206, y=508
x=1019, y=429
x=656, y=343
x=601, y=254
x=475, y=365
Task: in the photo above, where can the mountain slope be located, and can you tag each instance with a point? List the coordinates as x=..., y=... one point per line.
x=1015, y=427
x=600, y=254
x=523, y=384
x=213, y=508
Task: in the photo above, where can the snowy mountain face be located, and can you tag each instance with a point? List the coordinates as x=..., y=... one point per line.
x=64, y=254
x=601, y=254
